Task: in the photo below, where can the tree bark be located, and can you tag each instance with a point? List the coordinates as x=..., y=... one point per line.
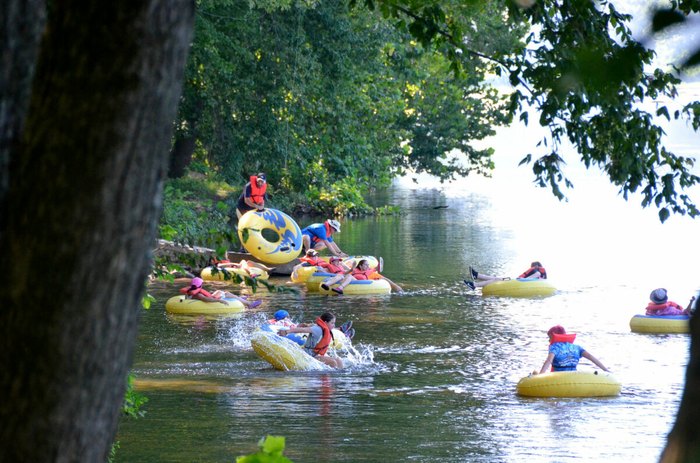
x=181, y=156
x=683, y=443
x=80, y=207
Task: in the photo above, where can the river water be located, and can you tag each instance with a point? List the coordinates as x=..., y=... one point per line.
x=438, y=365
x=436, y=380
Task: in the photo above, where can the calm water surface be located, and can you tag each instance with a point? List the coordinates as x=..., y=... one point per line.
x=436, y=382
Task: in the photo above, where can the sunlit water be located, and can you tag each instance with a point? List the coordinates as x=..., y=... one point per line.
x=437, y=368
x=437, y=378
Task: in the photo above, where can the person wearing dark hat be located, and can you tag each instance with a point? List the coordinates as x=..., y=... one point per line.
x=661, y=306
x=563, y=354
x=253, y=196
x=320, y=235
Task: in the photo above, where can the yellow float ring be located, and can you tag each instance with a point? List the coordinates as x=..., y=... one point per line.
x=660, y=324
x=284, y=354
x=569, y=384
x=183, y=305
x=225, y=273
x=285, y=249
x=355, y=287
x=519, y=288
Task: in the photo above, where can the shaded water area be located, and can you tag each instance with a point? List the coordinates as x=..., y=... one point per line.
x=437, y=383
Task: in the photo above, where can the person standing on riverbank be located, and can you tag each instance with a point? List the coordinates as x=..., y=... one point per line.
x=253, y=195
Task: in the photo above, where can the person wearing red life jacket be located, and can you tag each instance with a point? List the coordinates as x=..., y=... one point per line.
x=319, y=340
x=563, y=354
x=479, y=280
x=253, y=195
x=320, y=235
x=342, y=274
x=659, y=305
x=362, y=271
x=195, y=291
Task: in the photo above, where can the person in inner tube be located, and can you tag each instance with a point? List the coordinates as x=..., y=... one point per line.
x=563, y=354
x=253, y=196
x=479, y=280
x=660, y=306
x=319, y=340
x=195, y=291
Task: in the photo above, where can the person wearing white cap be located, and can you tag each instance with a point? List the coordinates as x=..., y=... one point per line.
x=320, y=235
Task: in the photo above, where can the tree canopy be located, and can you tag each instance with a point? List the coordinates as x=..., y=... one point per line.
x=328, y=96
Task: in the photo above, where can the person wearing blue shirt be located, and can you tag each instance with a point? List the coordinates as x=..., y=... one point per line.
x=564, y=355
x=320, y=235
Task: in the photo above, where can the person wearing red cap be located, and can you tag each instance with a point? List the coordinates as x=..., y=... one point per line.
x=253, y=196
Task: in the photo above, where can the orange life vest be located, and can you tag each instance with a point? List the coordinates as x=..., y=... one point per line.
x=257, y=194
x=654, y=308
x=569, y=337
x=331, y=268
x=321, y=346
x=532, y=270
x=363, y=274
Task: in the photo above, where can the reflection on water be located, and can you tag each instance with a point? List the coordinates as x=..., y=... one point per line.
x=441, y=362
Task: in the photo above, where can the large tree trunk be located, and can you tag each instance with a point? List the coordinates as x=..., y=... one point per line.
x=684, y=440
x=79, y=213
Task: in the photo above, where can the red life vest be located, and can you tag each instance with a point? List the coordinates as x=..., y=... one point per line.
x=532, y=270
x=257, y=194
x=363, y=274
x=321, y=346
x=331, y=268
x=329, y=232
x=311, y=260
x=568, y=337
x=654, y=308
x=187, y=292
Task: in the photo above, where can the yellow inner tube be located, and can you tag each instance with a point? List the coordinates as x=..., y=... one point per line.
x=519, y=288
x=182, y=305
x=285, y=355
x=569, y=384
x=224, y=274
x=357, y=287
x=659, y=324
x=287, y=245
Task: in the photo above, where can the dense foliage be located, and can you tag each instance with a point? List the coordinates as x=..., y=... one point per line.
x=581, y=71
x=332, y=101
x=328, y=101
